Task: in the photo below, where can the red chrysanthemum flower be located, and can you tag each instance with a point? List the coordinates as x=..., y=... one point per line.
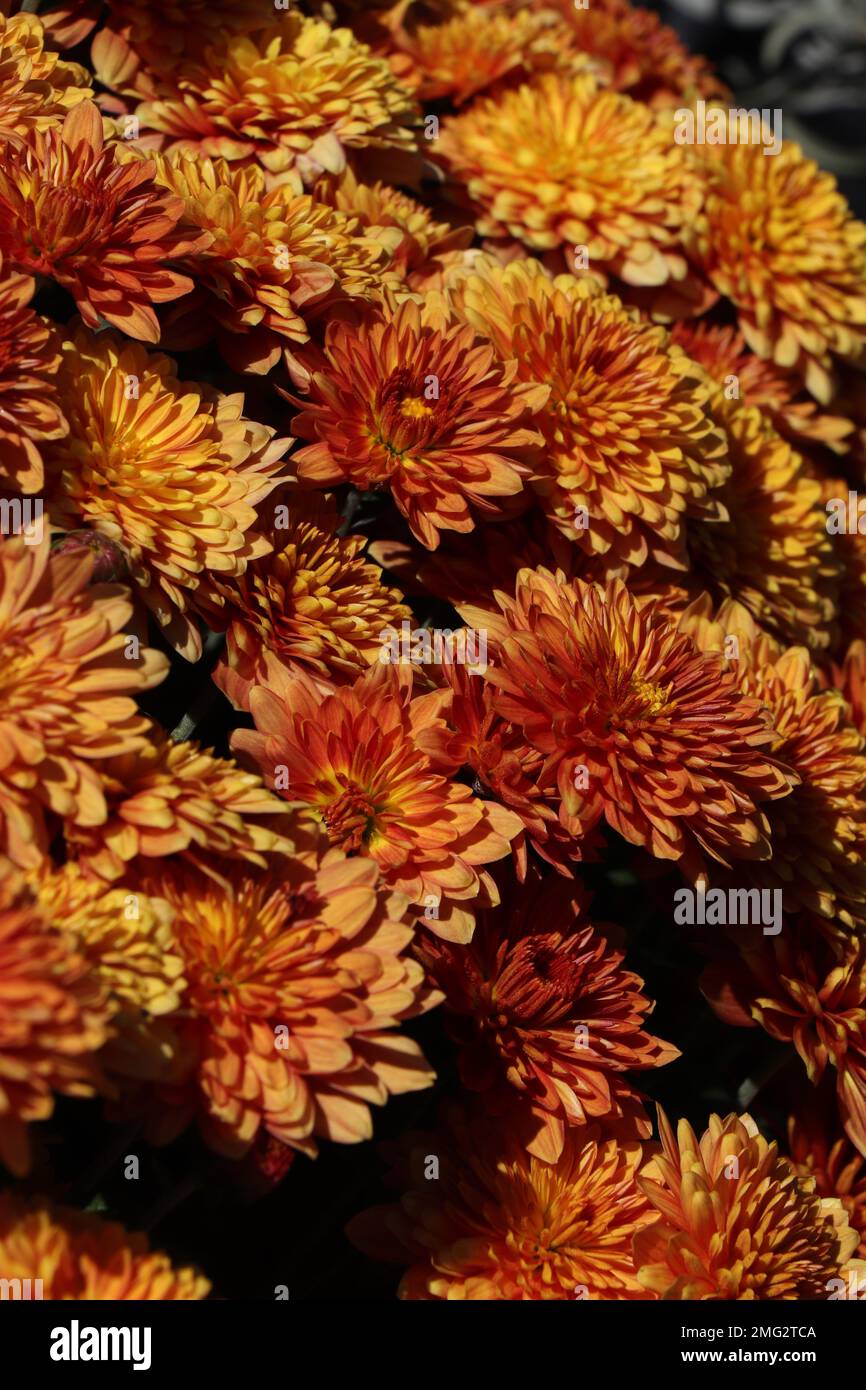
x=835, y=1165
x=426, y=411
x=636, y=724
x=546, y=1018
x=358, y=758
x=101, y=227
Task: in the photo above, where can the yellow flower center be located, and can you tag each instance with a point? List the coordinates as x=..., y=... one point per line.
x=413, y=408
x=653, y=697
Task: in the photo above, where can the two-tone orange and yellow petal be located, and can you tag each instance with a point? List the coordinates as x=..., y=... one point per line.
x=630, y=445
x=77, y=1255
x=736, y=1220
x=779, y=241
x=296, y=95
x=563, y=162
x=275, y=263
x=37, y=87
x=170, y=472
x=499, y=1224
x=29, y=359
x=298, y=983
x=166, y=798
x=54, y=1018
x=65, y=695
x=315, y=603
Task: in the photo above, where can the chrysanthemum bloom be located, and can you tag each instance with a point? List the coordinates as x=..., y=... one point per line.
x=296, y=94
x=646, y=58
x=563, y=162
x=78, y=1256
x=170, y=471
x=99, y=226
x=53, y=1020
x=806, y=987
x=358, y=759
x=155, y=34
x=314, y=604
x=479, y=47
x=507, y=768
x=275, y=261
x=546, y=1017
x=818, y=831
x=170, y=798
x=737, y=1222
x=29, y=358
x=834, y=1163
x=298, y=984
x=428, y=412
x=631, y=449
x=637, y=725
x=36, y=87
x=743, y=377
x=68, y=675
x=417, y=248
x=849, y=553
x=773, y=554
x=499, y=1224
x=128, y=940
x=778, y=240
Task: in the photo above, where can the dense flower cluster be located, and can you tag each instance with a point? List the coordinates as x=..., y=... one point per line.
x=433, y=632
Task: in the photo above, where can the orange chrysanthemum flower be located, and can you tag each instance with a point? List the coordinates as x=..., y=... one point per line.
x=836, y=1167
x=101, y=227
x=417, y=249
x=169, y=471
x=53, y=1020
x=275, y=262
x=65, y=692
x=737, y=1222
x=314, y=604
x=547, y=1019
x=79, y=1256
x=563, y=162
x=127, y=938
x=298, y=94
x=36, y=87
x=499, y=1224
x=29, y=413
x=808, y=988
x=779, y=241
x=636, y=724
x=177, y=799
x=424, y=410
x=818, y=831
x=631, y=449
x=297, y=984
x=479, y=47
x=773, y=553
x=357, y=758
x=740, y=375
x=645, y=57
